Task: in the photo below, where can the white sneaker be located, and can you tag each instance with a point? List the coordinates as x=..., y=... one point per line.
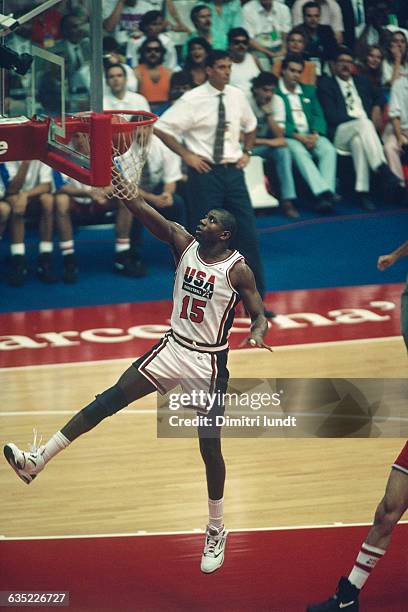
x=213, y=555
x=26, y=464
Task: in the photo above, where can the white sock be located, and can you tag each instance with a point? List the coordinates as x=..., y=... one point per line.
x=216, y=512
x=45, y=247
x=122, y=244
x=67, y=247
x=367, y=559
x=55, y=445
x=17, y=248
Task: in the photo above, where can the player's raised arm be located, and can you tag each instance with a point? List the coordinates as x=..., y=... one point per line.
x=166, y=231
x=243, y=280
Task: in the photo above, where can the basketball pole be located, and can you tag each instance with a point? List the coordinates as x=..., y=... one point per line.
x=96, y=29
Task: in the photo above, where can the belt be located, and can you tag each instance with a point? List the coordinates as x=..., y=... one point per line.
x=199, y=346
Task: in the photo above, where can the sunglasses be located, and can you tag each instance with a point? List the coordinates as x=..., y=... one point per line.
x=239, y=41
x=153, y=49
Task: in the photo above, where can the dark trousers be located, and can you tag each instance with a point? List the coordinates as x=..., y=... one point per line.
x=224, y=187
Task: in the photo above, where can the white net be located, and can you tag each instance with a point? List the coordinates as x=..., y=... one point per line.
x=129, y=154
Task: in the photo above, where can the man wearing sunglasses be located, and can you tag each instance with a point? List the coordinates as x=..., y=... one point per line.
x=245, y=66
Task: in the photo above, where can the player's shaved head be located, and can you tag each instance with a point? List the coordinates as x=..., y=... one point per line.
x=227, y=220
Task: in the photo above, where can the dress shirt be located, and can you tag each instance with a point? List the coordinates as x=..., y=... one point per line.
x=399, y=101
x=299, y=117
x=348, y=88
x=131, y=101
x=256, y=20
x=276, y=109
x=164, y=164
x=193, y=119
x=37, y=173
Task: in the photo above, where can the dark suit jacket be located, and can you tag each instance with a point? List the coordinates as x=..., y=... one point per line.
x=326, y=47
x=334, y=105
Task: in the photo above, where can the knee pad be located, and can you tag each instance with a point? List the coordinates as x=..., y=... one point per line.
x=106, y=404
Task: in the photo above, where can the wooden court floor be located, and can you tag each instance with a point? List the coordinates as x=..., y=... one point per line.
x=120, y=478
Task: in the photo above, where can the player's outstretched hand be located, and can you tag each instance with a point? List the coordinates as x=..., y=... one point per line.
x=385, y=261
x=255, y=342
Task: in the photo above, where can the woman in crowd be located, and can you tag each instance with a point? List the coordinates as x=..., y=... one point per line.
x=396, y=59
x=198, y=50
x=370, y=65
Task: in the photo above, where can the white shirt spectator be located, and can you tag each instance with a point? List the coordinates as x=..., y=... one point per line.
x=170, y=58
x=131, y=101
x=299, y=117
x=330, y=14
x=37, y=173
x=399, y=101
x=355, y=107
x=242, y=73
x=164, y=164
x=84, y=78
x=277, y=108
x=388, y=69
x=194, y=117
x=129, y=20
x=261, y=24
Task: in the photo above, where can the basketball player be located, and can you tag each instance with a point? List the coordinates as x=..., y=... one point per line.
x=210, y=280
x=388, y=513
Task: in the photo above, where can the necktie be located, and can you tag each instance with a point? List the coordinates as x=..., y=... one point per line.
x=219, y=132
x=349, y=98
x=77, y=58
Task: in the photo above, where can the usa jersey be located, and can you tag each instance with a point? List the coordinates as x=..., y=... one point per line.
x=204, y=299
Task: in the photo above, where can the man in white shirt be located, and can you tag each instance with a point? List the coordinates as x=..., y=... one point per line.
x=152, y=25
x=209, y=119
x=397, y=139
x=245, y=66
x=267, y=23
x=30, y=182
x=330, y=14
x=118, y=97
x=121, y=18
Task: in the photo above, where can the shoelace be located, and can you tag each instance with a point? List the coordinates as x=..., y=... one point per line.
x=34, y=446
x=212, y=543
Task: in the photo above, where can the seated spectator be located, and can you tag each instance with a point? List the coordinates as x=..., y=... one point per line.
x=370, y=66
x=180, y=82
x=305, y=130
x=69, y=191
x=270, y=143
x=202, y=20
x=75, y=48
x=112, y=55
x=396, y=138
x=121, y=18
x=198, y=50
x=153, y=77
x=352, y=108
x=395, y=63
x=375, y=31
x=118, y=97
x=296, y=43
x=225, y=14
x=160, y=175
x=330, y=15
x=267, y=23
x=353, y=14
x=152, y=25
x=29, y=183
x=245, y=66
x=321, y=44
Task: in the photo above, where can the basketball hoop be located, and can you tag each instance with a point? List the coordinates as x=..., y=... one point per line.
x=131, y=132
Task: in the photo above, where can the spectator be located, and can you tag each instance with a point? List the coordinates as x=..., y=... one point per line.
x=180, y=83
x=267, y=23
x=321, y=44
x=211, y=130
x=160, y=175
x=152, y=25
x=296, y=43
x=225, y=14
x=395, y=63
x=153, y=76
x=29, y=182
x=118, y=97
x=202, y=20
x=330, y=15
x=46, y=28
x=396, y=139
x=353, y=112
x=112, y=55
x=195, y=65
x=370, y=66
x=270, y=142
x=75, y=48
x=375, y=31
x=244, y=66
x=353, y=14
x=305, y=130
x=121, y=18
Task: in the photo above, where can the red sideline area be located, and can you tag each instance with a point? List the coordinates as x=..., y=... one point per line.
x=116, y=331
x=274, y=571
